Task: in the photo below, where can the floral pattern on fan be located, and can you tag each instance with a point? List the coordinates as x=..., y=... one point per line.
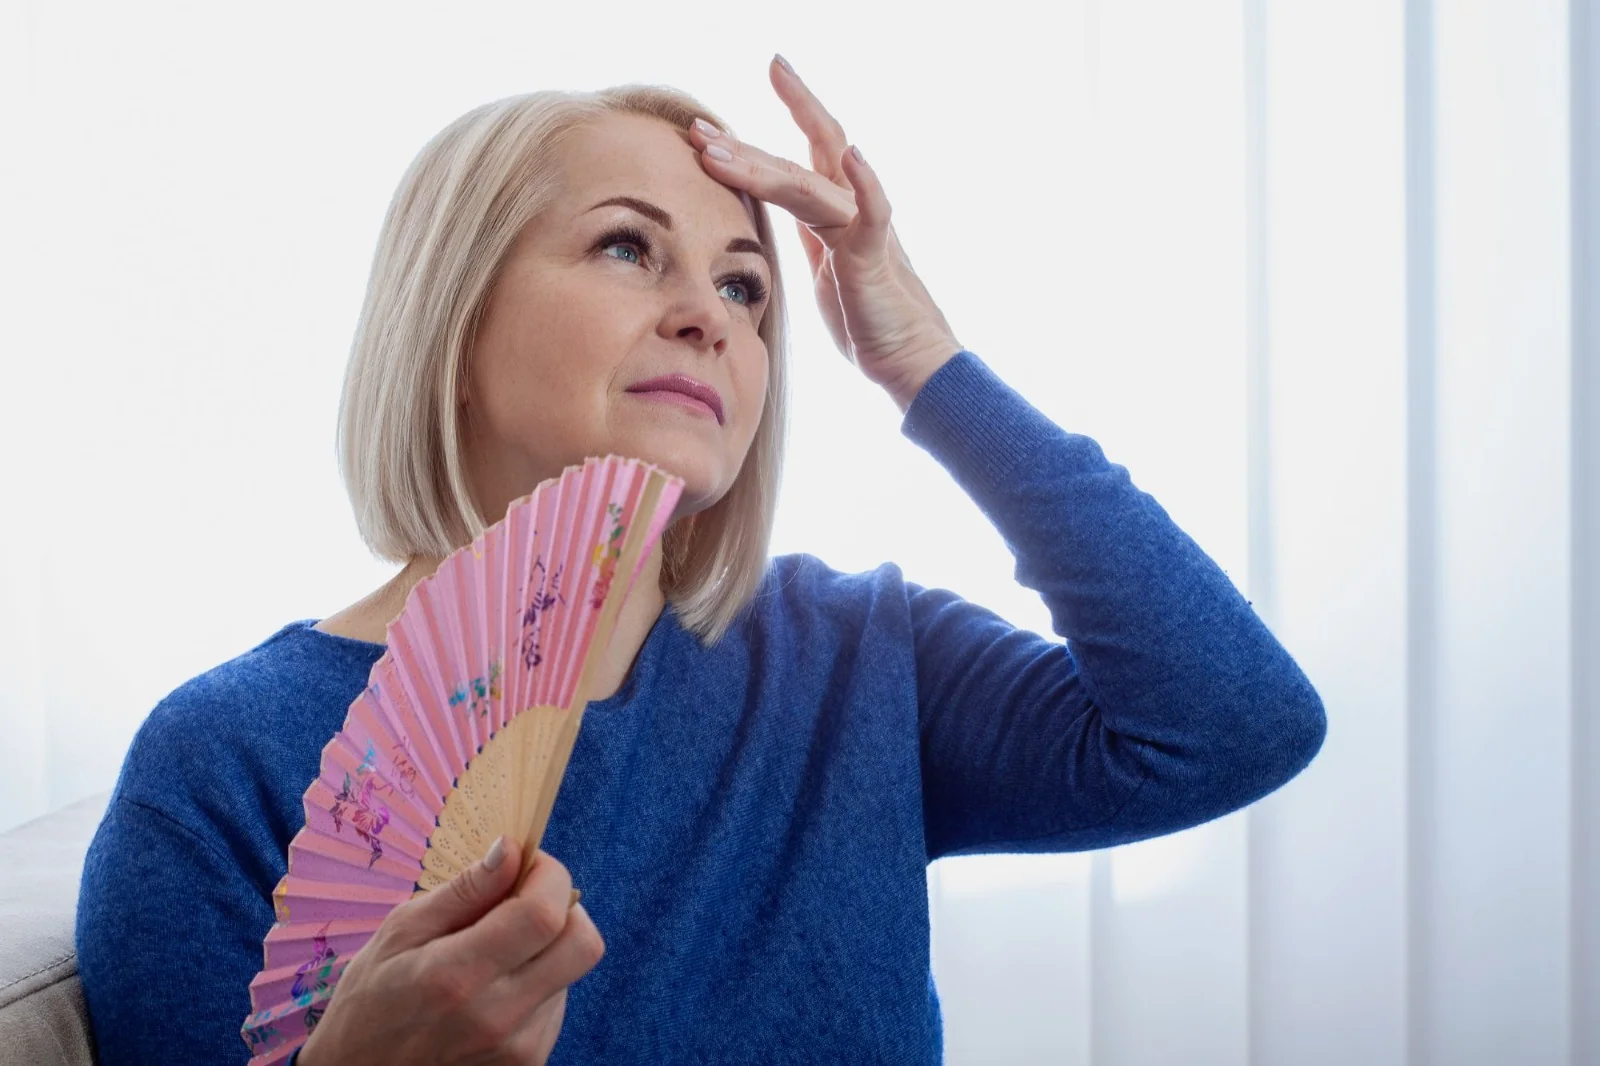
x=606, y=556
x=309, y=994
x=261, y=1036
x=463, y=731
x=366, y=814
x=477, y=694
x=404, y=763
x=546, y=596
x=314, y=977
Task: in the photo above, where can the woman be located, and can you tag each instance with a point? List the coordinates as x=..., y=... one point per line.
x=776, y=750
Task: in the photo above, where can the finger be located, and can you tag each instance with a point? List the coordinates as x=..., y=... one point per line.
x=827, y=137
x=574, y=953
x=869, y=236
x=519, y=927
x=462, y=901
x=804, y=193
x=701, y=138
x=702, y=135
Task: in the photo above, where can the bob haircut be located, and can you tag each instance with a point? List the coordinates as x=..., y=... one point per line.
x=454, y=217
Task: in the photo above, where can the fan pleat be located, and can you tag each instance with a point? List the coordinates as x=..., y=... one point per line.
x=483, y=685
x=422, y=682
x=416, y=738
x=569, y=520
x=293, y=943
x=317, y=856
x=302, y=899
x=579, y=567
x=582, y=555
x=493, y=584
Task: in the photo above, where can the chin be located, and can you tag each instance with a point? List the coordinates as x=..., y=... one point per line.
x=706, y=474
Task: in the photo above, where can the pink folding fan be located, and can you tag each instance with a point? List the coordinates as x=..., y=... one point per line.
x=463, y=731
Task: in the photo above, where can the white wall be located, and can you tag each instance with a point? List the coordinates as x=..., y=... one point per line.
x=1323, y=276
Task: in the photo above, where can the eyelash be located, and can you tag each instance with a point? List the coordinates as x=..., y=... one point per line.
x=753, y=285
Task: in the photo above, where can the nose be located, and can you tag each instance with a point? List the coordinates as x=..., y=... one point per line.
x=700, y=314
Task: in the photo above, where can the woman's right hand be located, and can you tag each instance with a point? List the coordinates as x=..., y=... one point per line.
x=465, y=974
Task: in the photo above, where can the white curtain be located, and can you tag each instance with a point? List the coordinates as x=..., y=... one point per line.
x=1325, y=277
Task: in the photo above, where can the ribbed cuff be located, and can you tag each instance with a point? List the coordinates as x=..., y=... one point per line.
x=978, y=427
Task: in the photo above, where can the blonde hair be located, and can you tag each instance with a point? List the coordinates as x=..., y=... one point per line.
x=454, y=217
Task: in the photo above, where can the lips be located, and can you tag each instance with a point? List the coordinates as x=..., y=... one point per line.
x=686, y=386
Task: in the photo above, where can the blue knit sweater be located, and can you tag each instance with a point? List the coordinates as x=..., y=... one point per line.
x=751, y=823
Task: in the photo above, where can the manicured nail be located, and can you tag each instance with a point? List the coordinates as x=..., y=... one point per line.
x=857, y=153
x=496, y=855
x=706, y=128
x=716, y=151
x=784, y=63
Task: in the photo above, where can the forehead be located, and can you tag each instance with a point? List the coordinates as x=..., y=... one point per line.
x=634, y=155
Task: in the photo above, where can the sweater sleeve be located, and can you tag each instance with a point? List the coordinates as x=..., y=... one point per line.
x=168, y=937
x=1170, y=702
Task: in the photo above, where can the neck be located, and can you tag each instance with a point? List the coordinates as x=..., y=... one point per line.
x=639, y=613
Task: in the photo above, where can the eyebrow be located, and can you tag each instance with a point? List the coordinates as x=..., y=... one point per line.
x=664, y=220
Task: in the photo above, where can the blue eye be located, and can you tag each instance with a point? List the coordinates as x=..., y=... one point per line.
x=755, y=288
x=626, y=235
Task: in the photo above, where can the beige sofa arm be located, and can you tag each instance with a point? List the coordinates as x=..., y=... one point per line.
x=42, y=1017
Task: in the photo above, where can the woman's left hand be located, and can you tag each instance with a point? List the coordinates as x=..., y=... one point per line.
x=877, y=310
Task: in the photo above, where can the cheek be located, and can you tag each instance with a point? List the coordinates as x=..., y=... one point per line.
x=752, y=385
x=544, y=352
x=523, y=376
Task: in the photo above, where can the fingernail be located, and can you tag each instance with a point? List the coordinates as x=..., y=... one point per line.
x=857, y=153
x=706, y=128
x=784, y=63
x=496, y=855
x=577, y=894
x=716, y=151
